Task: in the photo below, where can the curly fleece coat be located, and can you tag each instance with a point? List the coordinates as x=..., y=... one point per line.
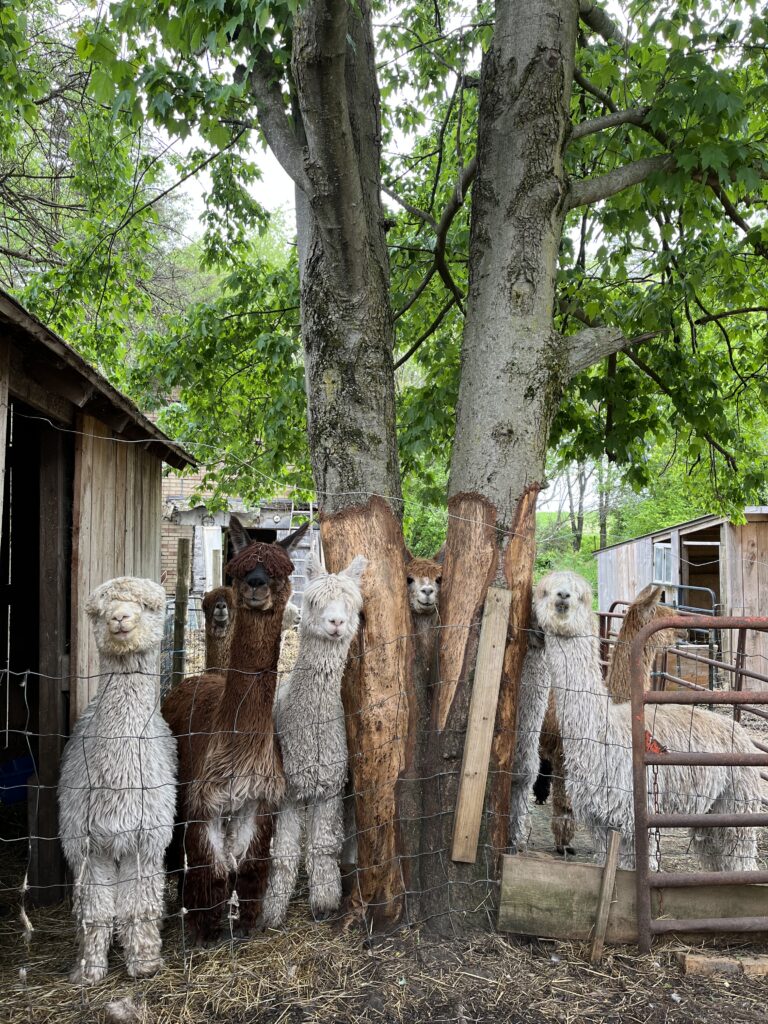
x=117, y=788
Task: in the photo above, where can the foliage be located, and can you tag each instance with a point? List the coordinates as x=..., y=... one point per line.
x=668, y=260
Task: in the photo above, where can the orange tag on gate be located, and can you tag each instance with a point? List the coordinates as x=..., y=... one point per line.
x=652, y=746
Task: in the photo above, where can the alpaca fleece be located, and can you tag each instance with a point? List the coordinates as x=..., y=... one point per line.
x=218, y=634
x=117, y=788
x=643, y=610
x=230, y=770
x=424, y=578
x=309, y=718
x=597, y=739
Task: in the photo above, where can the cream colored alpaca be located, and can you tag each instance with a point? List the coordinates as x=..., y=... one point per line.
x=117, y=789
x=597, y=739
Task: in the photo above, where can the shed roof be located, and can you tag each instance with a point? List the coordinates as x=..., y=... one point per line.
x=59, y=367
x=750, y=512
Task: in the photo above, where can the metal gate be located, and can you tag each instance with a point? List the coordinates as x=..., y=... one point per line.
x=642, y=758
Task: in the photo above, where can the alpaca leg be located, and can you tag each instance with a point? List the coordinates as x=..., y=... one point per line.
x=563, y=827
x=94, y=907
x=325, y=833
x=202, y=889
x=139, y=912
x=532, y=702
x=730, y=849
x=253, y=872
x=284, y=869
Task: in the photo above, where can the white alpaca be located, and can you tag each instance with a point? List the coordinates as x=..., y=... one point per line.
x=309, y=718
x=597, y=739
x=531, y=705
x=117, y=789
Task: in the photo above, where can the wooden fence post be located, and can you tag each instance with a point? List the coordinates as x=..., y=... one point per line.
x=180, y=609
x=480, y=723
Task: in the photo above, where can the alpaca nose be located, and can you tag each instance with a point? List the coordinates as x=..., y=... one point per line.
x=428, y=591
x=338, y=622
x=120, y=616
x=563, y=594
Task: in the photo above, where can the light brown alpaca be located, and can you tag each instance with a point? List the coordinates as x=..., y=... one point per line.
x=219, y=612
x=643, y=609
x=424, y=578
x=230, y=770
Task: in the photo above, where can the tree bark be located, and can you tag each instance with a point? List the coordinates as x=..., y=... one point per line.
x=514, y=366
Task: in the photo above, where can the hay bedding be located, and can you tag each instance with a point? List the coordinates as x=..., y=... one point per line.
x=307, y=974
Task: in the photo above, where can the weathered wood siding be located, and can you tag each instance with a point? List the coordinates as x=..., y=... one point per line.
x=623, y=571
x=116, y=532
x=744, y=587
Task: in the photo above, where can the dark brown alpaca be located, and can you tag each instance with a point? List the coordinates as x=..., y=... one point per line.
x=219, y=612
x=230, y=770
x=643, y=609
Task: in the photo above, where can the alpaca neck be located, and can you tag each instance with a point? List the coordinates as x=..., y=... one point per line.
x=217, y=649
x=128, y=688
x=319, y=665
x=251, y=676
x=581, y=698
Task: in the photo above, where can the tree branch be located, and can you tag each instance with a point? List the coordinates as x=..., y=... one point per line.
x=651, y=373
x=452, y=207
x=635, y=115
x=414, y=210
x=274, y=122
x=587, y=347
x=417, y=292
x=592, y=190
x=594, y=90
x=429, y=331
x=596, y=18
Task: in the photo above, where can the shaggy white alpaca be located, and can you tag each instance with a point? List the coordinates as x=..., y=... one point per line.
x=117, y=789
x=309, y=718
x=531, y=705
x=597, y=738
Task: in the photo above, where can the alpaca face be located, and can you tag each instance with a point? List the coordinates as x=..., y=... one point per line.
x=424, y=579
x=332, y=602
x=127, y=615
x=261, y=572
x=218, y=609
x=562, y=603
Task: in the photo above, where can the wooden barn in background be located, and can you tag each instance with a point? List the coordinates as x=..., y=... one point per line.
x=81, y=471
x=707, y=564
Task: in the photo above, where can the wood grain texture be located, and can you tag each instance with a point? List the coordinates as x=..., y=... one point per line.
x=377, y=696
x=541, y=895
x=480, y=724
x=471, y=559
x=605, y=895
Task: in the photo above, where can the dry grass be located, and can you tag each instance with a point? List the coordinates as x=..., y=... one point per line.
x=307, y=973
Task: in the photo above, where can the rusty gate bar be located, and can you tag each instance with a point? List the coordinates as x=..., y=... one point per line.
x=646, y=925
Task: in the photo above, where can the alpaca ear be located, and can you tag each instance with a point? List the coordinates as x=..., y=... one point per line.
x=356, y=568
x=94, y=606
x=290, y=542
x=439, y=557
x=238, y=535
x=313, y=567
x=648, y=596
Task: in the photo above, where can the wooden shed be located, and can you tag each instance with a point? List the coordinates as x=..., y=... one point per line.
x=707, y=564
x=81, y=471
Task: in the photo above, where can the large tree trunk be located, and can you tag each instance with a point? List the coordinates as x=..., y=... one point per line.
x=513, y=369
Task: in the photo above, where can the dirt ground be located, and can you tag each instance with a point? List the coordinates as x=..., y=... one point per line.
x=307, y=973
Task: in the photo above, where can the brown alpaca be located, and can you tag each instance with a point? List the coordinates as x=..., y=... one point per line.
x=219, y=612
x=643, y=609
x=230, y=770
x=424, y=578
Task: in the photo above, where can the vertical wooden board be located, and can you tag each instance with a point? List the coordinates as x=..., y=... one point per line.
x=675, y=540
x=121, y=497
x=81, y=557
x=154, y=515
x=98, y=554
x=108, y=491
x=480, y=722
x=130, y=508
x=761, y=601
x=750, y=574
x=5, y=369
x=47, y=877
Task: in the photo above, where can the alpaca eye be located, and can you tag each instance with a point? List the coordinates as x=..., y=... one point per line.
x=438, y=580
x=410, y=580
